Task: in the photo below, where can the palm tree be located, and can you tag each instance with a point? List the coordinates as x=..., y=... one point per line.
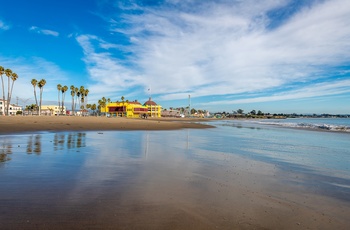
x=77, y=96
x=41, y=84
x=88, y=106
x=14, y=77
x=122, y=98
x=59, y=88
x=82, y=97
x=72, y=93
x=101, y=103
x=8, y=74
x=63, y=90
x=93, y=108
x=34, y=84
x=2, y=71
x=86, y=92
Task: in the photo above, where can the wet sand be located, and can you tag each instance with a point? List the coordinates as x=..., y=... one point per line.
x=67, y=123
x=165, y=187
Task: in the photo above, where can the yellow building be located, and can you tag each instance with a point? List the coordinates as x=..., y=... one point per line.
x=132, y=109
x=125, y=109
x=154, y=110
x=51, y=110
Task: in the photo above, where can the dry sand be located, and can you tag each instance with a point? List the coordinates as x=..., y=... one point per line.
x=66, y=123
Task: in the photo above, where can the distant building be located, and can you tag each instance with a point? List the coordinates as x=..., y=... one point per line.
x=172, y=113
x=13, y=109
x=52, y=110
x=154, y=110
x=132, y=109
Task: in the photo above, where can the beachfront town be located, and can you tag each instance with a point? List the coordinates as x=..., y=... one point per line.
x=134, y=109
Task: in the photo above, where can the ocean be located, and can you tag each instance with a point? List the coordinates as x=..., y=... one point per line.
x=240, y=174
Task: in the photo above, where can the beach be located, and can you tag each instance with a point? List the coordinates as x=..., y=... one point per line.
x=118, y=173
x=15, y=124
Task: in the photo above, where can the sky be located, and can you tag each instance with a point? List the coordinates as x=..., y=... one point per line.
x=277, y=56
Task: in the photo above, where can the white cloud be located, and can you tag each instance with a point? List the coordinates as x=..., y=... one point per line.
x=44, y=31
x=316, y=90
x=34, y=67
x=225, y=49
x=109, y=73
x=4, y=26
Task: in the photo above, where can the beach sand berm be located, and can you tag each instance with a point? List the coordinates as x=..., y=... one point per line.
x=17, y=124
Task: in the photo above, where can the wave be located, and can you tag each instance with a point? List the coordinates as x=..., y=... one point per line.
x=307, y=125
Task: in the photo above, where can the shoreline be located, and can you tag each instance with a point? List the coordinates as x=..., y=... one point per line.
x=20, y=124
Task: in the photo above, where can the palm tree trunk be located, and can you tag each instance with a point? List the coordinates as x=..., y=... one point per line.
x=3, y=93
x=72, y=104
x=59, y=103
x=9, y=98
x=62, y=103
x=8, y=95
x=36, y=99
x=41, y=97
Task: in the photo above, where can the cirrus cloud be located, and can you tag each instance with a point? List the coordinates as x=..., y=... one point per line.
x=43, y=31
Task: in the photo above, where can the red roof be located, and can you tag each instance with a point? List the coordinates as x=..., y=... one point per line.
x=150, y=102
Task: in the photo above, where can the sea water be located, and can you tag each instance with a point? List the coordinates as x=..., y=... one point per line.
x=47, y=171
x=331, y=124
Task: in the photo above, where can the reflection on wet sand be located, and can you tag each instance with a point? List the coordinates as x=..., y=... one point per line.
x=61, y=141
x=34, y=144
x=5, y=150
x=156, y=180
x=71, y=140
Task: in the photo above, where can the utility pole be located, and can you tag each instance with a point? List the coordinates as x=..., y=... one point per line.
x=189, y=105
x=23, y=101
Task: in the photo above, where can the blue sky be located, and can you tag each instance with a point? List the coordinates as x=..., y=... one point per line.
x=278, y=56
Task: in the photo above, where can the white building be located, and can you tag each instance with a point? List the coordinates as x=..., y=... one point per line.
x=12, y=108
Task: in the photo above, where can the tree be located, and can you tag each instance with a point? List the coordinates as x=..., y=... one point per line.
x=82, y=95
x=72, y=93
x=122, y=98
x=41, y=84
x=77, y=97
x=240, y=111
x=8, y=74
x=2, y=72
x=31, y=108
x=86, y=93
x=59, y=88
x=93, y=108
x=63, y=90
x=14, y=78
x=260, y=113
x=34, y=83
x=101, y=104
x=88, y=106
x=253, y=112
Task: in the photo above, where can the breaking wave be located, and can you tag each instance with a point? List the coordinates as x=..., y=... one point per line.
x=309, y=124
